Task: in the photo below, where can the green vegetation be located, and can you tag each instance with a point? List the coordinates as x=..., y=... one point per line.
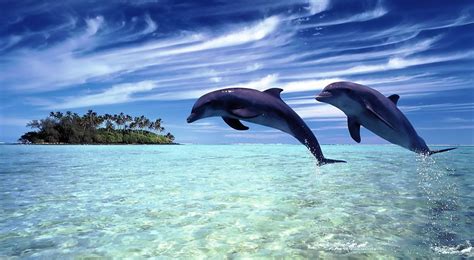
x=71, y=128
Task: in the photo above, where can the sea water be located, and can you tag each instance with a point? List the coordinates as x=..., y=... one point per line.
x=196, y=201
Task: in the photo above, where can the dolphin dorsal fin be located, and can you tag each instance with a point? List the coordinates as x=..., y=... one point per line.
x=274, y=92
x=394, y=98
x=235, y=123
x=354, y=128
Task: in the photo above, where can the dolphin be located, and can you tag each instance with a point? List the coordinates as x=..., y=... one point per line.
x=368, y=107
x=263, y=108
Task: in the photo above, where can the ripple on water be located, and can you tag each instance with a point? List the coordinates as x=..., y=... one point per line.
x=233, y=201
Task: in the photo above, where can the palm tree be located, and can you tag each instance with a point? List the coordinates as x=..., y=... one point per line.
x=119, y=119
x=126, y=119
x=56, y=115
x=146, y=123
x=89, y=123
x=170, y=137
x=34, y=124
x=141, y=122
x=109, y=126
x=99, y=120
x=134, y=123
x=108, y=122
x=157, y=125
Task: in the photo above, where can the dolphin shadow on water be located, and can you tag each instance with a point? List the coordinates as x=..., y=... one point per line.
x=264, y=108
x=368, y=107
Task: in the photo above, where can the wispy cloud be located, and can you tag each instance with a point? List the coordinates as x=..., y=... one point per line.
x=256, y=135
x=318, y=6
x=104, y=54
x=328, y=128
x=445, y=107
x=121, y=93
x=393, y=64
x=261, y=84
x=437, y=128
x=458, y=120
x=319, y=111
x=403, y=50
x=69, y=63
x=307, y=85
x=151, y=25
x=12, y=121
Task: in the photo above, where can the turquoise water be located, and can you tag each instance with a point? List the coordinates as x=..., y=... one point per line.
x=193, y=201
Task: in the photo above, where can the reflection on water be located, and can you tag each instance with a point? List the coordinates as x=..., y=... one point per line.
x=234, y=201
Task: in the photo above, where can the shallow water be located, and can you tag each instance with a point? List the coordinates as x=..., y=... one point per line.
x=234, y=201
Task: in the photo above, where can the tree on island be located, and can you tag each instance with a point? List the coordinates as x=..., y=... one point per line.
x=91, y=128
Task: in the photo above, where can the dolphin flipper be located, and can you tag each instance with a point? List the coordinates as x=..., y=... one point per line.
x=373, y=112
x=354, y=128
x=394, y=98
x=244, y=113
x=235, y=123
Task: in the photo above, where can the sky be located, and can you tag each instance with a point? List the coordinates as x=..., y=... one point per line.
x=156, y=57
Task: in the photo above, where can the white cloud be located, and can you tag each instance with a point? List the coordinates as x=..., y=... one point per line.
x=216, y=79
x=458, y=120
x=187, y=64
x=93, y=25
x=255, y=136
x=10, y=42
x=253, y=67
x=246, y=35
x=121, y=93
x=437, y=128
x=318, y=6
x=375, y=13
x=261, y=84
x=11, y=121
x=307, y=85
x=440, y=107
x=319, y=111
x=402, y=51
x=65, y=64
x=151, y=25
x=333, y=127
x=393, y=64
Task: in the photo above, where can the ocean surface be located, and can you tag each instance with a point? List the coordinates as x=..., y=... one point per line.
x=192, y=201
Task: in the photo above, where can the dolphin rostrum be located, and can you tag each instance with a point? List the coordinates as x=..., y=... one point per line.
x=368, y=107
x=263, y=108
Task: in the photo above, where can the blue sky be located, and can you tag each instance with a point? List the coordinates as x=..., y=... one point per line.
x=156, y=57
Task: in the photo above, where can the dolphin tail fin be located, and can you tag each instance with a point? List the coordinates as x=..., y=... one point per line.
x=441, y=151
x=328, y=161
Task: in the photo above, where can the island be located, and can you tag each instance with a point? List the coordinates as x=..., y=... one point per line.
x=91, y=128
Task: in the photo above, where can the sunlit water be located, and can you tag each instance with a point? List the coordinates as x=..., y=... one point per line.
x=234, y=201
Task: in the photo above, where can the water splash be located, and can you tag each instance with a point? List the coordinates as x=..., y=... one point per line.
x=464, y=249
x=441, y=201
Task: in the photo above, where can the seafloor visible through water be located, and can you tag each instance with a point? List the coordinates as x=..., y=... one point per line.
x=234, y=201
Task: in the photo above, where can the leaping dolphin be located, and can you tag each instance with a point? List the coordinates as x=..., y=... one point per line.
x=368, y=107
x=263, y=108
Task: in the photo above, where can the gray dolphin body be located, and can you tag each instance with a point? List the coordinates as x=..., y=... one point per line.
x=263, y=108
x=368, y=107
